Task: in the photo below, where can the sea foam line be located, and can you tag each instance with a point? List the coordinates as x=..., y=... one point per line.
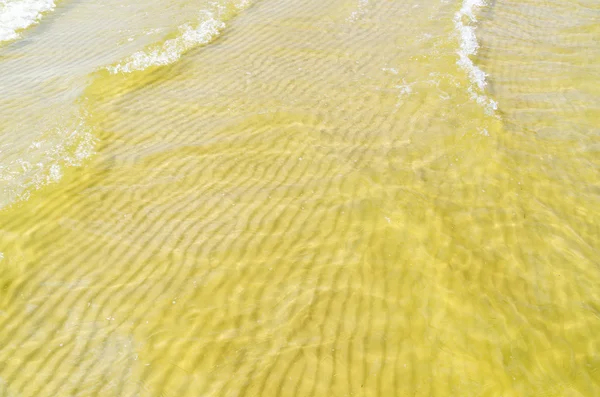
x=210, y=23
x=16, y=15
x=468, y=47
x=172, y=49
x=64, y=146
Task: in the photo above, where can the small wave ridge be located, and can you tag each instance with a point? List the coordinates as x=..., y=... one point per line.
x=16, y=15
x=464, y=23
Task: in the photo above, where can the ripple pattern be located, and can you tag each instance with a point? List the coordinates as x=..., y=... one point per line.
x=275, y=214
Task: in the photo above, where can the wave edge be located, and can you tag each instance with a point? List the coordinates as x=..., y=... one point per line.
x=469, y=45
x=209, y=25
x=18, y=15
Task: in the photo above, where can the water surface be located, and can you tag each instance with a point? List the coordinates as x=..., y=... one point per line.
x=299, y=198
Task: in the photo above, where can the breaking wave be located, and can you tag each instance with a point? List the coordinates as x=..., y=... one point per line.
x=16, y=15
x=464, y=22
x=44, y=161
x=208, y=26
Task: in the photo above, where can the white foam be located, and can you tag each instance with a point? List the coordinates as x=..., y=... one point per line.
x=16, y=15
x=360, y=12
x=172, y=49
x=468, y=47
x=44, y=161
x=210, y=23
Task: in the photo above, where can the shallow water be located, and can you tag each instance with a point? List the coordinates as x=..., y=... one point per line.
x=300, y=198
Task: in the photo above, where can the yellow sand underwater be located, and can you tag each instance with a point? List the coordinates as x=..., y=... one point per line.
x=299, y=198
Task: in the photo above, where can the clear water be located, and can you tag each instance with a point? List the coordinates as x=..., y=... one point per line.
x=299, y=198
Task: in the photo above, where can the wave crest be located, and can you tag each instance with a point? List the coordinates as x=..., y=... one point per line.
x=468, y=47
x=210, y=23
x=64, y=146
x=16, y=15
x=172, y=49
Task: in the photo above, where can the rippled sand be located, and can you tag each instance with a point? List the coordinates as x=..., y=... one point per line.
x=301, y=198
